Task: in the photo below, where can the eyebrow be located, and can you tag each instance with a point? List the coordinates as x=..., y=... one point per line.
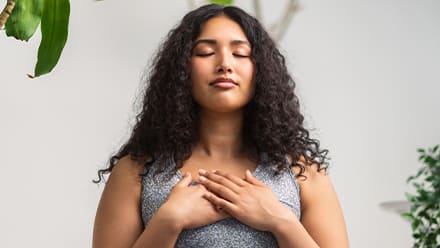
x=214, y=42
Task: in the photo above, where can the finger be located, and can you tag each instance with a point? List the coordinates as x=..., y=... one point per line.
x=220, y=203
x=185, y=181
x=219, y=189
x=251, y=179
x=222, y=180
x=222, y=214
x=238, y=181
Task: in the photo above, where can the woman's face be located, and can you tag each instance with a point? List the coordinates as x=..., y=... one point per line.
x=221, y=66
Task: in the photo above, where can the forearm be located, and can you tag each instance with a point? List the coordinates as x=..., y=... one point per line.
x=292, y=234
x=160, y=232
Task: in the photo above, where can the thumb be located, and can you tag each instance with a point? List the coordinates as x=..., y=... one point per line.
x=251, y=179
x=185, y=181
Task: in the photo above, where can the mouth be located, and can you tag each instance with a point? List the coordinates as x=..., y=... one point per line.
x=225, y=83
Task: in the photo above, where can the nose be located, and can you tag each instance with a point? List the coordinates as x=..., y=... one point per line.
x=224, y=63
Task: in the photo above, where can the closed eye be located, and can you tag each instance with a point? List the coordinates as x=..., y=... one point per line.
x=204, y=54
x=240, y=55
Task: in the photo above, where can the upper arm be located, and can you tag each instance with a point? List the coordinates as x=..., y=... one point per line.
x=118, y=219
x=321, y=213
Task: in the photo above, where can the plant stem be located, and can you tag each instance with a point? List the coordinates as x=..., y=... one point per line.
x=7, y=10
x=257, y=8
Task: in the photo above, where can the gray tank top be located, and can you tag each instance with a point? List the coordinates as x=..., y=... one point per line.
x=227, y=232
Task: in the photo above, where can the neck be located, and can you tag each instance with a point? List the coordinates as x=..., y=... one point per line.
x=220, y=135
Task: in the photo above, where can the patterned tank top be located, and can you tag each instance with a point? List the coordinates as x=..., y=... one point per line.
x=227, y=232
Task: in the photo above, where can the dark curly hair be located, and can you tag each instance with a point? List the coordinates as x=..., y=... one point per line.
x=167, y=124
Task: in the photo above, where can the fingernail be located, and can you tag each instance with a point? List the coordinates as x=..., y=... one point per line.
x=202, y=178
x=202, y=171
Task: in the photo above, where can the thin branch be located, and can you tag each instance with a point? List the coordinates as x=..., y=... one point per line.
x=279, y=28
x=4, y=15
x=196, y=3
x=192, y=4
x=257, y=8
x=285, y=22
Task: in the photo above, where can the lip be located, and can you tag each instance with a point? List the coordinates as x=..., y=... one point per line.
x=223, y=82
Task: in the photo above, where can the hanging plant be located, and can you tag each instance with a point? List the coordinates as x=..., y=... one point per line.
x=21, y=19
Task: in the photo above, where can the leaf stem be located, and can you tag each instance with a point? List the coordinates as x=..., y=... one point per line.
x=6, y=12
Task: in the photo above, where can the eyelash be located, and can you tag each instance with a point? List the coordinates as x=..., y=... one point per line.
x=209, y=54
x=241, y=56
x=204, y=54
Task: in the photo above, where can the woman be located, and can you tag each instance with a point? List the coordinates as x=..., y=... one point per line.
x=219, y=155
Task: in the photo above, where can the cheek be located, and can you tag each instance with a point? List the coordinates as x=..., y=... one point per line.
x=198, y=70
x=247, y=74
x=197, y=78
x=246, y=70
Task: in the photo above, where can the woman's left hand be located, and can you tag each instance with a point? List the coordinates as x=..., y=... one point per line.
x=248, y=200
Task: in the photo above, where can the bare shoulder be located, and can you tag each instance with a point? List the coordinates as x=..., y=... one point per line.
x=321, y=213
x=128, y=170
x=312, y=182
x=118, y=218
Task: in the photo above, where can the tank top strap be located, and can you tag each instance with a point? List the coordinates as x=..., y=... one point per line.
x=283, y=184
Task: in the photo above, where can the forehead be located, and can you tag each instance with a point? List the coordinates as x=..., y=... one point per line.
x=222, y=28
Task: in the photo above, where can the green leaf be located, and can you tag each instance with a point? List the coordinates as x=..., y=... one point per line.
x=407, y=216
x=429, y=178
x=54, y=31
x=409, y=196
x=419, y=173
x=415, y=224
x=414, y=207
x=222, y=2
x=429, y=160
x=24, y=19
x=434, y=150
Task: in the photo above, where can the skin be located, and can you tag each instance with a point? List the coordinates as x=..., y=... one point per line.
x=222, y=50
x=222, y=54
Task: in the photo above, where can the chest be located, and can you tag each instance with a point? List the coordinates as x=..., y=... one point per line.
x=228, y=232
x=236, y=166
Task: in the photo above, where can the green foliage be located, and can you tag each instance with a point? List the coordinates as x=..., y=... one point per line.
x=53, y=15
x=424, y=213
x=54, y=18
x=222, y=2
x=54, y=30
x=24, y=19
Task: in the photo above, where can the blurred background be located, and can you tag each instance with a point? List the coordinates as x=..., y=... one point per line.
x=368, y=80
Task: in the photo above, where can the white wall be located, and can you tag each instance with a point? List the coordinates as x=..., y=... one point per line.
x=367, y=74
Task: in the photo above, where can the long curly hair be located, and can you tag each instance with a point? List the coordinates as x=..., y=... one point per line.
x=167, y=124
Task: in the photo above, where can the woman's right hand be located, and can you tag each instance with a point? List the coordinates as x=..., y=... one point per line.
x=186, y=206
